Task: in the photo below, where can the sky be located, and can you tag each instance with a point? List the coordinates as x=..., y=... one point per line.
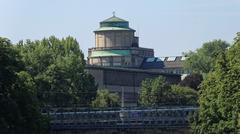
x=169, y=26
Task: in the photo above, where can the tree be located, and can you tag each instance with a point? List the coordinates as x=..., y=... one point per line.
x=184, y=95
x=155, y=92
x=220, y=96
x=106, y=99
x=193, y=81
x=203, y=60
x=57, y=67
x=19, y=112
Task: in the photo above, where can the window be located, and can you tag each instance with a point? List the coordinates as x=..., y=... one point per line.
x=138, y=61
x=127, y=61
x=150, y=59
x=109, y=39
x=171, y=58
x=119, y=40
x=96, y=61
x=100, y=40
x=105, y=61
x=160, y=59
x=133, y=61
x=117, y=61
x=127, y=39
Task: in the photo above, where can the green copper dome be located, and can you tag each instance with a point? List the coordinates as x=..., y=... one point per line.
x=114, y=23
x=114, y=19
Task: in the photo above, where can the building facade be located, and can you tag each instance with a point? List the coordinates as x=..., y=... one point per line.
x=118, y=63
x=127, y=80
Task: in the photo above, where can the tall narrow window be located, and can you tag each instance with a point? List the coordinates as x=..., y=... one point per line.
x=100, y=40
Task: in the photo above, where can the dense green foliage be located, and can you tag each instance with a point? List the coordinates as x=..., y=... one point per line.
x=106, y=99
x=19, y=112
x=203, y=60
x=184, y=95
x=57, y=67
x=220, y=96
x=155, y=92
x=193, y=81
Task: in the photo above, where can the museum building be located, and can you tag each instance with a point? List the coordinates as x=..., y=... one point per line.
x=119, y=64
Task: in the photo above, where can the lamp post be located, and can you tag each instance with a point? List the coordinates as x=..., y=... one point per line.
x=121, y=113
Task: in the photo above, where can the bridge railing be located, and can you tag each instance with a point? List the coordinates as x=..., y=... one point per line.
x=125, y=117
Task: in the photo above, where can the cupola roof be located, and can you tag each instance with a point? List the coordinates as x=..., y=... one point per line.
x=114, y=24
x=114, y=19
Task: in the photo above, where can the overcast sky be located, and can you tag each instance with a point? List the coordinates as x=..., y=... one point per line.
x=169, y=26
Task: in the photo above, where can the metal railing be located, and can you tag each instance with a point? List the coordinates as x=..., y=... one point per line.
x=105, y=48
x=120, y=118
x=118, y=47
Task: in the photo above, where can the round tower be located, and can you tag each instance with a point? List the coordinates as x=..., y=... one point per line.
x=116, y=45
x=114, y=32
